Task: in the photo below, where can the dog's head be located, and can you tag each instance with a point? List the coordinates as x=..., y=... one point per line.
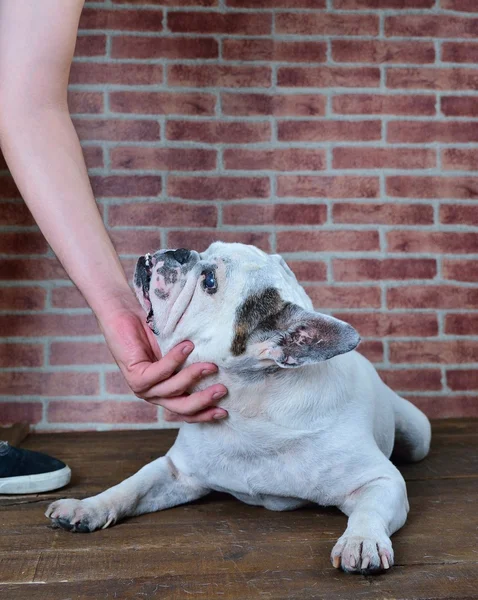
x=239, y=306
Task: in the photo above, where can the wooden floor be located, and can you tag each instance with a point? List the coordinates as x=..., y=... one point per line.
x=220, y=548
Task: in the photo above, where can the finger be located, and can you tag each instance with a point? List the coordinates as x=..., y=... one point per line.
x=190, y=405
x=178, y=384
x=146, y=375
x=210, y=414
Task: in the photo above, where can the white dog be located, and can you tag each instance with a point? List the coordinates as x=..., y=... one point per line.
x=309, y=419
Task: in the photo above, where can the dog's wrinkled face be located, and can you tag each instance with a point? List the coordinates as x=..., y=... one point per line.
x=238, y=305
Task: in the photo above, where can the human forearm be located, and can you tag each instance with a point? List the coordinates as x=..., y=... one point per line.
x=44, y=155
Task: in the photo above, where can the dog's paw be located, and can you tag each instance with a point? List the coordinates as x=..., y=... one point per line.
x=79, y=516
x=366, y=555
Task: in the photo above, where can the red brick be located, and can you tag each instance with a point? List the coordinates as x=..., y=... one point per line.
x=316, y=23
x=19, y=383
x=168, y=214
x=80, y=353
x=275, y=214
x=116, y=73
x=464, y=5
x=369, y=269
x=90, y=45
x=126, y=185
x=47, y=324
x=460, y=270
x=171, y=48
x=277, y=3
x=460, y=159
x=437, y=26
x=131, y=241
x=22, y=242
x=412, y=379
x=464, y=324
x=93, y=156
x=371, y=349
x=446, y=242
x=21, y=355
x=8, y=189
x=446, y=407
x=433, y=296
x=117, y=130
x=218, y=188
x=22, y=298
x=15, y=213
x=102, y=411
x=85, y=102
x=383, y=214
x=329, y=296
x=423, y=78
x=163, y=159
x=384, y=104
x=459, y=52
x=294, y=105
x=159, y=103
x=328, y=77
x=308, y=270
x=381, y=4
x=273, y=50
x=462, y=379
x=320, y=186
x=329, y=131
x=19, y=412
x=377, y=51
x=37, y=269
x=200, y=240
x=383, y=158
x=387, y=324
x=289, y=159
x=448, y=132
x=67, y=297
x=441, y=352
x=327, y=241
x=404, y=186
x=124, y=20
x=173, y=3
x=461, y=214
x=220, y=22
x=218, y=132
x=116, y=383
x=459, y=106
x=219, y=76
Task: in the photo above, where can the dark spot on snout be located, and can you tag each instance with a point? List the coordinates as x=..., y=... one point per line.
x=257, y=309
x=161, y=294
x=170, y=275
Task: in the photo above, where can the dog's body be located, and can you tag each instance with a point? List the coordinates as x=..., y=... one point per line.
x=309, y=419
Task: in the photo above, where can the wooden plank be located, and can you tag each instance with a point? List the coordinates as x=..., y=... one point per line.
x=435, y=582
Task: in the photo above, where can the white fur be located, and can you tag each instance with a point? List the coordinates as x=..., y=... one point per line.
x=320, y=433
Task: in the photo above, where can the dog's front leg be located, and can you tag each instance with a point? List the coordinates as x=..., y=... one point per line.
x=156, y=486
x=376, y=510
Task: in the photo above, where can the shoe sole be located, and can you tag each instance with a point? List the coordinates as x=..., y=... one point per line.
x=35, y=484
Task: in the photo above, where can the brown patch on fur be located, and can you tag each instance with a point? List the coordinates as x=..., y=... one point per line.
x=253, y=311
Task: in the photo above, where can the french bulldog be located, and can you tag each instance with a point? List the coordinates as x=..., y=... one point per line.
x=309, y=419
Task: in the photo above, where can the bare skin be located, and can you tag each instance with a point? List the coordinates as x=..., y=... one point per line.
x=42, y=150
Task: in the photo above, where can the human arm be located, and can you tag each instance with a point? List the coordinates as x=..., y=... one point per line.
x=42, y=150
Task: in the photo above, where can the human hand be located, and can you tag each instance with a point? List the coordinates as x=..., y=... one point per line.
x=153, y=377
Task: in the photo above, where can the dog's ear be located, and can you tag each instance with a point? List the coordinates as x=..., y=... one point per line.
x=293, y=337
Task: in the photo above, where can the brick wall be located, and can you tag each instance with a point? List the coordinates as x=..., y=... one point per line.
x=340, y=133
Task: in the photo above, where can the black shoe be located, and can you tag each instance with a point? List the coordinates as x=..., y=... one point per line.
x=27, y=472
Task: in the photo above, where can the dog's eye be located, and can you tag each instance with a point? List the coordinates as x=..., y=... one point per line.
x=209, y=282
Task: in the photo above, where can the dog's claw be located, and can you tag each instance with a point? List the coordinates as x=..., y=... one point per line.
x=385, y=562
x=336, y=562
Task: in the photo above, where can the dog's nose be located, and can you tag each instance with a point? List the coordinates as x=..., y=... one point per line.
x=181, y=255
